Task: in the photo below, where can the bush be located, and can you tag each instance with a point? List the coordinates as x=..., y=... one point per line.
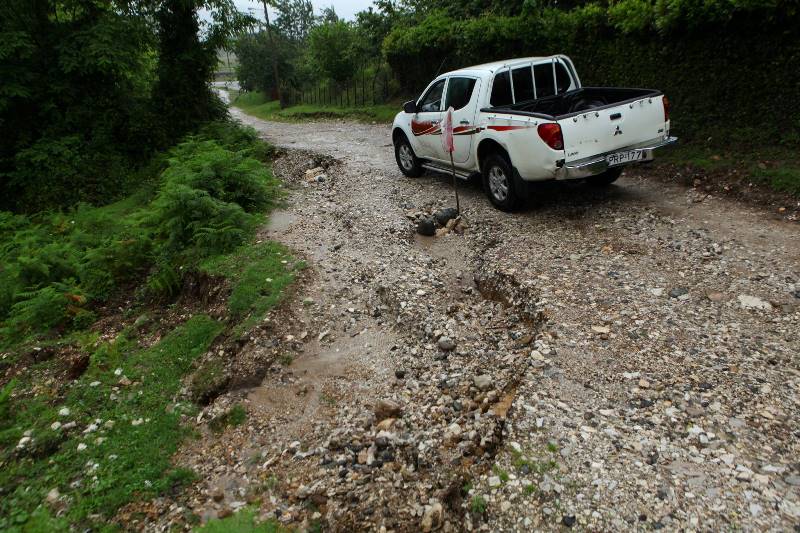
x=43, y=309
x=209, y=200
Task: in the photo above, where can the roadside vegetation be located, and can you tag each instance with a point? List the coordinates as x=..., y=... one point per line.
x=776, y=168
x=124, y=188
x=102, y=435
x=244, y=521
x=259, y=105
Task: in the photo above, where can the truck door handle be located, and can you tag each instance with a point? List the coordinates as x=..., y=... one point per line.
x=464, y=122
x=615, y=116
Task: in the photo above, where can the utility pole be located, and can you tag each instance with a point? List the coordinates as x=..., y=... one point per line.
x=276, y=91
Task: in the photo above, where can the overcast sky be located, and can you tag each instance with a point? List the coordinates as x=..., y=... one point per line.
x=346, y=9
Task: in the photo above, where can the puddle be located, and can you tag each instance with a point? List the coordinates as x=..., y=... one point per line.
x=314, y=380
x=454, y=251
x=280, y=221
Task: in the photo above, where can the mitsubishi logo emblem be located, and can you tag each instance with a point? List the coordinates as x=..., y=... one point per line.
x=617, y=131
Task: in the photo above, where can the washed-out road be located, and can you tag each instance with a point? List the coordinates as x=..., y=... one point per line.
x=615, y=359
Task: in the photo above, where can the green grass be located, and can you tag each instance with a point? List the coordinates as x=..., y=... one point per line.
x=784, y=179
x=502, y=474
x=127, y=456
x=257, y=104
x=521, y=462
x=259, y=274
x=244, y=521
x=478, y=504
x=235, y=416
x=775, y=167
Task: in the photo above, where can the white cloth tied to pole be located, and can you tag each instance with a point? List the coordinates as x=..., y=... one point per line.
x=449, y=146
x=447, y=131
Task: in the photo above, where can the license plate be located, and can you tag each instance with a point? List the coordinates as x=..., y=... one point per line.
x=620, y=158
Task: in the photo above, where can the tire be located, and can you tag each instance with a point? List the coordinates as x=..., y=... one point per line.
x=498, y=183
x=406, y=159
x=606, y=178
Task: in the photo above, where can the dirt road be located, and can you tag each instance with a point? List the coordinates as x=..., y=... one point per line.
x=604, y=359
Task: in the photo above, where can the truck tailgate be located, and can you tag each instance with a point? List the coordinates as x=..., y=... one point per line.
x=599, y=131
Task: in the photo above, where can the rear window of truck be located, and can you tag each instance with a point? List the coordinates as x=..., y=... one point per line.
x=523, y=84
x=501, y=90
x=543, y=73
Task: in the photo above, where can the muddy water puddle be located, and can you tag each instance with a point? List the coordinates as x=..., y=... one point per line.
x=280, y=221
x=328, y=371
x=454, y=251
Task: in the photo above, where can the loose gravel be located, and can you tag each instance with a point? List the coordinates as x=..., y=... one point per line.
x=609, y=359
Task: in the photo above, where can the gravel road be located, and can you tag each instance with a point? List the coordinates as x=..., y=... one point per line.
x=609, y=359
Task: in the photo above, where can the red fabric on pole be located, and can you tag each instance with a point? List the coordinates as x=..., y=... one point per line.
x=447, y=131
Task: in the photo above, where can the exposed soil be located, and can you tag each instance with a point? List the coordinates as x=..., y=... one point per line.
x=609, y=359
x=733, y=183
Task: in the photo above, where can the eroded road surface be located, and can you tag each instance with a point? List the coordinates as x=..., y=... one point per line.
x=610, y=359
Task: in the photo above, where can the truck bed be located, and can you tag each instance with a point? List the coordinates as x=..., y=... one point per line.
x=575, y=102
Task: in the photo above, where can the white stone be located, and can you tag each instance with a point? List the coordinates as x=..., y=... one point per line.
x=752, y=302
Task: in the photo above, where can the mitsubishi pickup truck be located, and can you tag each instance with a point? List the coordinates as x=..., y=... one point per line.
x=528, y=120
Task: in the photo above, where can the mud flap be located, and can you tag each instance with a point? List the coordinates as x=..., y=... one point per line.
x=522, y=188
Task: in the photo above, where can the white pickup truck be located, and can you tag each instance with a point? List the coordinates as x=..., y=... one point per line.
x=527, y=120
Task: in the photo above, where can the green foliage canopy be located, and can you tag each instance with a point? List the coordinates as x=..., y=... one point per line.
x=333, y=47
x=91, y=88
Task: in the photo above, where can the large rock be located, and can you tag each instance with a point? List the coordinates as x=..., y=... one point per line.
x=387, y=409
x=483, y=382
x=444, y=215
x=426, y=227
x=433, y=517
x=752, y=302
x=678, y=292
x=447, y=344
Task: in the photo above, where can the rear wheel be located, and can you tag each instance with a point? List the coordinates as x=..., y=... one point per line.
x=498, y=182
x=406, y=158
x=606, y=178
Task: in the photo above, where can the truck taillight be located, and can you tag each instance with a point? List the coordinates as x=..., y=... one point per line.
x=665, y=101
x=551, y=135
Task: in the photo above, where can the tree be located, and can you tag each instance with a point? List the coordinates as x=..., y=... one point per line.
x=295, y=18
x=92, y=87
x=332, y=46
x=256, y=53
x=75, y=78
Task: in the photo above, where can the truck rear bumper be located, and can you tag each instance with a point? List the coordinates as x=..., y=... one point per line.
x=598, y=164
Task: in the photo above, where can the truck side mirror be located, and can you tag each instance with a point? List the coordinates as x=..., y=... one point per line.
x=410, y=107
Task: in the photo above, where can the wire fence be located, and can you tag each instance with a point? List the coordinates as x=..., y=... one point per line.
x=360, y=91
